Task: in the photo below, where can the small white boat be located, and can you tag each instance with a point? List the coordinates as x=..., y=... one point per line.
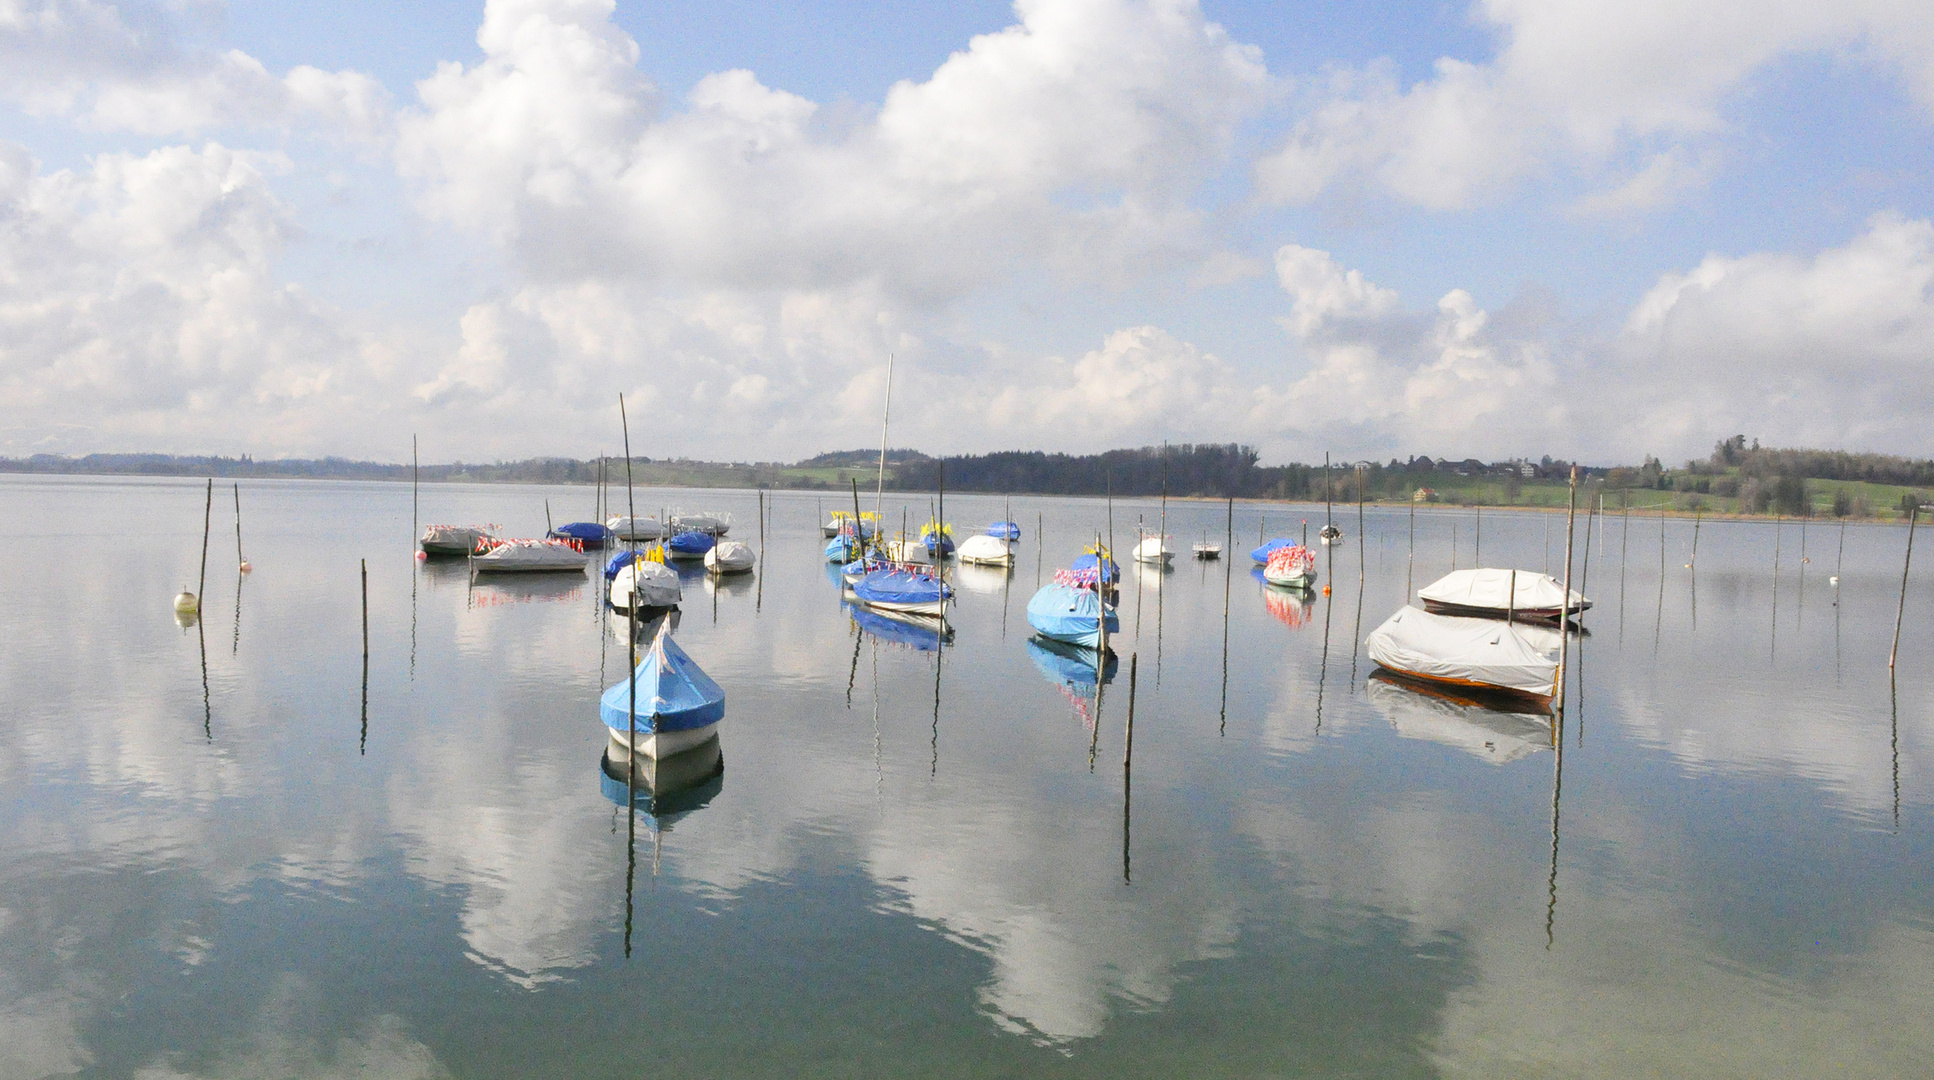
x=630, y=528
x=985, y=550
x=902, y=550
x=653, y=584
x=1154, y=550
x=841, y=521
x=1474, y=654
x=729, y=557
x=454, y=539
x=529, y=556
x=1492, y=594
x=1330, y=535
x=1293, y=567
x=1206, y=550
x=708, y=523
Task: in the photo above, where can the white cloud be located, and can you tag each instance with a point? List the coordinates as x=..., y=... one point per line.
x=1576, y=84
x=136, y=67
x=1078, y=133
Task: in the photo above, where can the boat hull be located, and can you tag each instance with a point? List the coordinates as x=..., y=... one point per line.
x=658, y=745
x=1291, y=581
x=987, y=551
x=932, y=609
x=1466, y=653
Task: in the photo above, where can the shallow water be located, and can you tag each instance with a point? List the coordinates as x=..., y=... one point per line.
x=218, y=860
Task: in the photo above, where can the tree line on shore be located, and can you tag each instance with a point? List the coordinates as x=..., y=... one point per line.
x=1761, y=479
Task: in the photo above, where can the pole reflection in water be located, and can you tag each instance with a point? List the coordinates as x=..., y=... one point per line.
x=235, y=646
x=1128, y=771
x=1557, y=788
x=362, y=743
x=660, y=792
x=1228, y=564
x=1323, y=666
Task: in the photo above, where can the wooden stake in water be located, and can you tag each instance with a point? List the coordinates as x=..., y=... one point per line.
x=1360, y=558
x=631, y=631
x=1900, y=614
x=1040, y=544
x=1128, y=742
x=363, y=745
x=1229, y=540
x=207, y=515
x=1410, y=560
x=1564, y=606
x=1477, y=545
x=414, y=522
x=547, y=516
x=241, y=560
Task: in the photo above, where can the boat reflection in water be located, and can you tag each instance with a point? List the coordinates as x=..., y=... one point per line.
x=1291, y=607
x=497, y=591
x=982, y=580
x=666, y=788
x=620, y=624
x=1496, y=728
x=913, y=631
x=1072, y=668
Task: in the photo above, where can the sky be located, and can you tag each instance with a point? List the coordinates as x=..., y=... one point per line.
x=1590, y=230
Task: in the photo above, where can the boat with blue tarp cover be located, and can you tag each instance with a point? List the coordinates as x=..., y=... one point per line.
x=914, y=631
x=843, y=548
x=1084, y=569
x=902, y=588
x=677, y=705
x=1261, y=555
x=1071, y=612
x=589, y=534
x=938, y=540
x=1004, y=530
x=690, y=545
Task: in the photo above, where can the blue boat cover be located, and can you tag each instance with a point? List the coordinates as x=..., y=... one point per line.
x=842, y=548
x=1004, y=530
x=924, y=636
x=692, y=543
x=619, y=561
x=1262, y=554
x=900, y=587
x=1084, y=568
x=673, y=693
x=1069, y=665
x=589, y=532
x=1069, y=614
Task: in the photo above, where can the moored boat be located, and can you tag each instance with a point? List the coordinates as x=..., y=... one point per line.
x=711, y=524
x=1293, y=567
x=630, y=528
x=529, y=556
x=454, y=539
x=1205, y=550
x=905, y=589
x=669, y=702
x=589, y=535
x=986, y=549
x=729, y=557
x=1261, y=554
x=1153, y=549
x=1072, y=610
x=1004, y=530
x=1457, y=651
x=641, y=577
x=939, y=541
x=690, y=545
x=1490, y=593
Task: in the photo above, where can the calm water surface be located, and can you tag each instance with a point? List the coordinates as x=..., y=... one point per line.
x=218, y=861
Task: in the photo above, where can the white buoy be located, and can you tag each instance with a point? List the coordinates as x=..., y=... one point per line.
x=185, y=602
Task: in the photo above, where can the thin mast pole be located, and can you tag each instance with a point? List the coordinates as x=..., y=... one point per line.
x=886, y=414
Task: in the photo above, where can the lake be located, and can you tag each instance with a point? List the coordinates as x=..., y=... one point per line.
x=227, y=853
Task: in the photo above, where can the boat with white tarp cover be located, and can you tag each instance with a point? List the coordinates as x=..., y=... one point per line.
x=730, y=557
x=455, y=539
x=1488, y=593
x=1483, y=654
x=644, y=576
x=530, y=556
x=636, y=528
x=985, y=549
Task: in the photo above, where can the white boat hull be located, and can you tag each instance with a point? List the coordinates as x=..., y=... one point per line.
x=659, y=744
x=932, y=609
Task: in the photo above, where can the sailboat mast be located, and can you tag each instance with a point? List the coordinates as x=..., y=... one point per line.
x=886, y=415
